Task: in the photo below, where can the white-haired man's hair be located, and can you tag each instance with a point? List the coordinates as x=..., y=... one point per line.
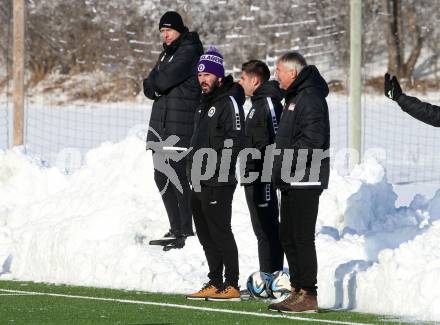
x=292, y=60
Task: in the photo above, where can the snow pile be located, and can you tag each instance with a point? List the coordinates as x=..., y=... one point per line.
x=374, y=257
x=90, y=228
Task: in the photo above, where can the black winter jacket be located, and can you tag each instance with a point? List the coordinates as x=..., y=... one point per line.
x=174, y=87
x=220, y=117
x=304, y=125
x=424, y=112
x=262, y=124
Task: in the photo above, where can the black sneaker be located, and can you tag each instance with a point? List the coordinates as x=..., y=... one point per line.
x=179, y=242
x=169, y=235
x=167, y=238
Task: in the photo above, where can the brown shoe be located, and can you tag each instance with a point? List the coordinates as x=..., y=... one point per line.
x=291, y=299
x=207, y=291
x=305, y=303
x=229, y=293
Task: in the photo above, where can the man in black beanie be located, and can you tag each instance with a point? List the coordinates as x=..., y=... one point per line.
x=173, y=86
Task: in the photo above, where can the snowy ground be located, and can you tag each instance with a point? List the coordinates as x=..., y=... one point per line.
x=405, y=193
x=90, y=228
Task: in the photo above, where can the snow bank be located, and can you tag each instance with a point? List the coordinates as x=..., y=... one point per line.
x=376, y=258
x=90, y=228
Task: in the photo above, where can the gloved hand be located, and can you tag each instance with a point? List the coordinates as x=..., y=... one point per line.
x=392, y=87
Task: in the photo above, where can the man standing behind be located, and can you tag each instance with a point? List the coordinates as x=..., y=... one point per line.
x=173, y=86
x=261, y=127
x=303, y=133
x=218, y=129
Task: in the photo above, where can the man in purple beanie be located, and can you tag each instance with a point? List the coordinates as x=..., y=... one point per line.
x=216, y=141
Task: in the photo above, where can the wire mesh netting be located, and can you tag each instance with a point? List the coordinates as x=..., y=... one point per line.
x=407, y=147
x=71, y=111
x=5, y=65
x=84, y=70
x=4, y=125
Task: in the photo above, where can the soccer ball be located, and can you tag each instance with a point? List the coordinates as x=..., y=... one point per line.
x=257, y=284
x=279, y=287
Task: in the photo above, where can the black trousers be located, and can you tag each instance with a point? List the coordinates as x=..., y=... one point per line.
x=263, y=208
x=212, y=211
x=299, y=210
x=177, y=204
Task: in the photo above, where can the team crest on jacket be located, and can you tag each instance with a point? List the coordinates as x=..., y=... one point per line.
x=251, y=113
x=291, y=107
x=211, y=111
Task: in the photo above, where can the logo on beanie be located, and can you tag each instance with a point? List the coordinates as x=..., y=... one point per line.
x=211, y=111
x=212, y=58
x=201, y=67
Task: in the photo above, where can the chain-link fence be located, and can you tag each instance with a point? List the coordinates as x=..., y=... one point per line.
x=86, y=62
x=5, y=66
x=409, y=148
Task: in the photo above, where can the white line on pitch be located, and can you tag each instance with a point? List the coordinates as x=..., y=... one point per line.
x=226, y=311
x=18, y=294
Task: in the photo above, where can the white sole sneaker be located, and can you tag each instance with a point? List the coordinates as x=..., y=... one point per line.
x=196, y=298
x=224, y=299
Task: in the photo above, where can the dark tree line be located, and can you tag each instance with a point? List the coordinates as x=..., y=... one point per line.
x=121, y=37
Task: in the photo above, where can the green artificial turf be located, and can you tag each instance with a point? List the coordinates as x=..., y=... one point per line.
x=45, y=309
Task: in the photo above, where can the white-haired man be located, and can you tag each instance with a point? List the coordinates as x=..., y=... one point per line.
x=304, y=138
